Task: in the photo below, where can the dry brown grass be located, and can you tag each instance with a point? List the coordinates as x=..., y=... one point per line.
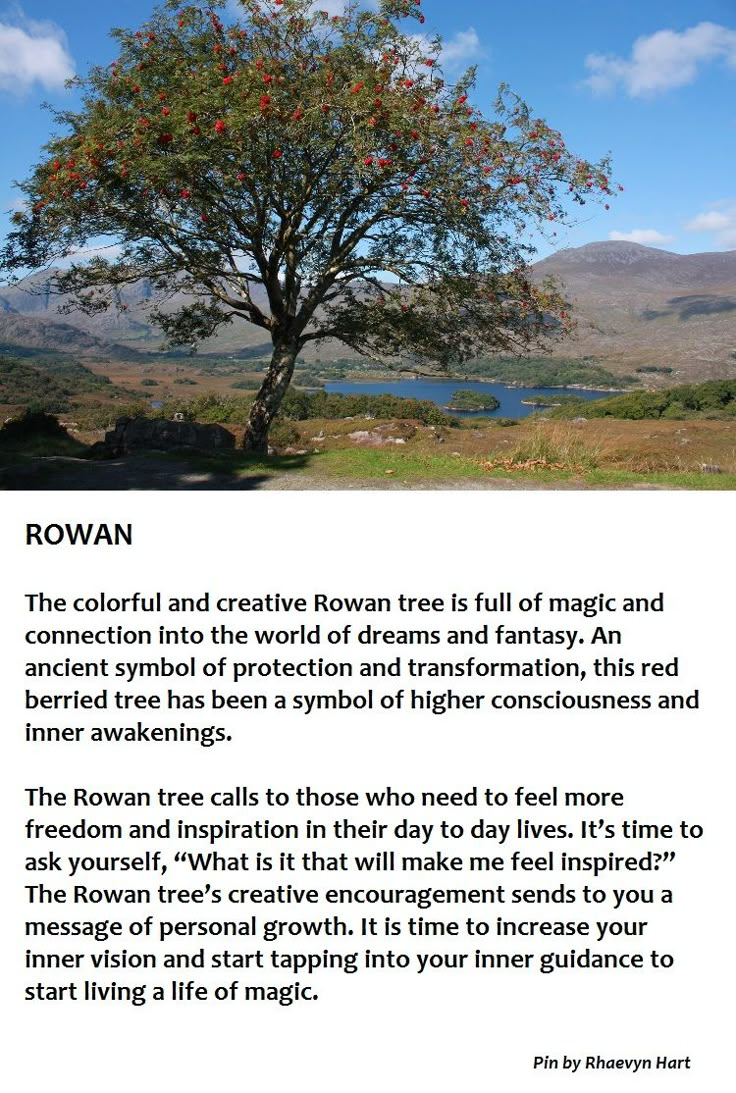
x=638, y=446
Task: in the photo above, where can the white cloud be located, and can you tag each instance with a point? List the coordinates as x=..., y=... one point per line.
x=720, y=222
x=32, y=52
x=462, y=49
x=458, y=52
x=709, y=222
x=662, y=60
x=648, y=237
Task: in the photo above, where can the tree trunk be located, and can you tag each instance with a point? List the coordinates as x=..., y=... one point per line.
x=269, y=398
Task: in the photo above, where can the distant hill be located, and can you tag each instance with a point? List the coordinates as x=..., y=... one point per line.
x=641, y=306
x=635, y=307
x=126, y=330
x=24, y=332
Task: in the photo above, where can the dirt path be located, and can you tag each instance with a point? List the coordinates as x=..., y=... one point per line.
x=142, y=473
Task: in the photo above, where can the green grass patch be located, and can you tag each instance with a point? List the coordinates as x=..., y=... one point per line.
x=371, y=465
x=368, y=467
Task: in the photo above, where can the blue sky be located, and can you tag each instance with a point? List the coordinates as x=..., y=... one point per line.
x=654, y=83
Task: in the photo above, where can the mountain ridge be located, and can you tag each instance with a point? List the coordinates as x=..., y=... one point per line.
x=635, y=306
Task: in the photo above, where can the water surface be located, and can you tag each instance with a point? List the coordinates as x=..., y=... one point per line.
x=441, y=391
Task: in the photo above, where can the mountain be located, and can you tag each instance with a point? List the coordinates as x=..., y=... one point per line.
x=640, y=306
x=29, y=332
x=649, y=265
x=33, y=299
x=635, y=306
x=128, y=330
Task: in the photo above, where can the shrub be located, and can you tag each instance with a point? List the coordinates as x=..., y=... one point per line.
x=304, y=405
x=32, y=423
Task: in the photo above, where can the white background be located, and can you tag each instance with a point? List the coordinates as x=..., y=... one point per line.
x=475, y=1031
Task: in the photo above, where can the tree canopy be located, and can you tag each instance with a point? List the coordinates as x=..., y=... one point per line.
x=314, y=175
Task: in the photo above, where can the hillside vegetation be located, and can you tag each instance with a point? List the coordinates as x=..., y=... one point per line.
x=716, y=398
x=51, y=385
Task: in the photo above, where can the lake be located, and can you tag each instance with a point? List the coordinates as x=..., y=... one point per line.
x=440, y=392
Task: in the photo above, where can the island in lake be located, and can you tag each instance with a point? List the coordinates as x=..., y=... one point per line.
x=468, y=401
x=539, y=402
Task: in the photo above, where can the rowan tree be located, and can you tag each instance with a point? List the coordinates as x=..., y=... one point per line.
x=322, y=158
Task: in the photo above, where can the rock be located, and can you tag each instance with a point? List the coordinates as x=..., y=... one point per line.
x=384, y=434
x=134, y=434
x=710, y=468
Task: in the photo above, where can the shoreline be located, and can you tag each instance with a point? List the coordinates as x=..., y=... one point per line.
x=392, y=378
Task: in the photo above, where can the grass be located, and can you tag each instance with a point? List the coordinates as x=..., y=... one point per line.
x=353, y=463
x=554, y=448
x=371, y=466
x=602, y=453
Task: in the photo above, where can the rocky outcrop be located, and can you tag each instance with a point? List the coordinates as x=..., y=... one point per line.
x=135, y=434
